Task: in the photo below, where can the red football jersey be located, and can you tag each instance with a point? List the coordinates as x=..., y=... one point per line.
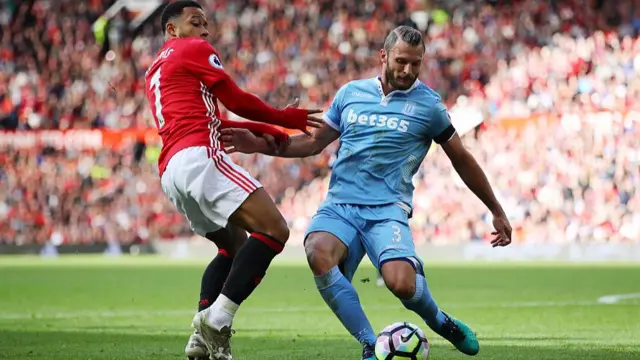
x=178, y=87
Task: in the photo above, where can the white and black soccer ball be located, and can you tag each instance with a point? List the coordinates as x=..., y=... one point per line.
x=402, y=340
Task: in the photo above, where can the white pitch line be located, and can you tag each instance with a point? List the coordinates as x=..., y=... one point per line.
x=284, y=310
x=614, y=299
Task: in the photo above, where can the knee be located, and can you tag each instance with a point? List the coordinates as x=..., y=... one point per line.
x=402, y=288
x=259, y=214
x=401, y=280
x=322, y=253
x=278, y=230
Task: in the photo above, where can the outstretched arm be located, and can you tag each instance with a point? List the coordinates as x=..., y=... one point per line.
x=251, y=107
x=299, y=146
x=302, y=145
x=201, y=60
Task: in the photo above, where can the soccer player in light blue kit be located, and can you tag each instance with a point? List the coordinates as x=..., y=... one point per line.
x=386, y=126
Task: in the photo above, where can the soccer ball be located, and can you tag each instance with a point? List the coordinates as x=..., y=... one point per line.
x=402, y=340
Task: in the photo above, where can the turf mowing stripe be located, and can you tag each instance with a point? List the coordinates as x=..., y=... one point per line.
x=133, y=313
x=614, y=299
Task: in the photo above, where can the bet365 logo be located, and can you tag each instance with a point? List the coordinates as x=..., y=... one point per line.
x=392, y=123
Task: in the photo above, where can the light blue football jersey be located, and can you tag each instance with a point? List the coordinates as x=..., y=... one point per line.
x=383, y=140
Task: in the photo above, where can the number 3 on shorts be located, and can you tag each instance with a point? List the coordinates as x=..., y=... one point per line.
x=397, y=235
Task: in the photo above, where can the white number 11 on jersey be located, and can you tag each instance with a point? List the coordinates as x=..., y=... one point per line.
x=155, y=86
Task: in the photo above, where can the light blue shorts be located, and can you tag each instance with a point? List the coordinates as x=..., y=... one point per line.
x=382, y=232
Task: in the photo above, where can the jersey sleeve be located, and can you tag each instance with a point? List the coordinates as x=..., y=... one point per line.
x=333, y=116
x=441, y=129
x=201, y=59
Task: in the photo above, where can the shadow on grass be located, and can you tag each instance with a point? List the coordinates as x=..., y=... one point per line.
x=62, y=345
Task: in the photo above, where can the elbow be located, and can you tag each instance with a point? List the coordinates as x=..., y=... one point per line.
x=232, y=107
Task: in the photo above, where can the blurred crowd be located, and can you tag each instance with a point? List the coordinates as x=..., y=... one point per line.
x=82, y=198
x=563, y=180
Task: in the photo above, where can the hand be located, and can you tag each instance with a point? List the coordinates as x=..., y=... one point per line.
x=503, y=230
x=312, y=121
x=275, y=148
x=243, y=140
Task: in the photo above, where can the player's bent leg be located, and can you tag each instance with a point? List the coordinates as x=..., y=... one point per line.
x=269, y=232
x=257, y=214
x=211, y=191
x=411, y=288
x=326, y=255
x=390, y=247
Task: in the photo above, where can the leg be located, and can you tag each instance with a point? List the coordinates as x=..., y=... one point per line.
x=390, y=247
x=324, y=253
x=411, y=288
x=228, y=240
x=212, y=192
x=258, y=214
x=334, y=263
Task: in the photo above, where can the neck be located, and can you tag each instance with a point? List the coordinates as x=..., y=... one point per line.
x=386, y=87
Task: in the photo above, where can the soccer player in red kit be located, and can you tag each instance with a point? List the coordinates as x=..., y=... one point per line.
x=183, y=85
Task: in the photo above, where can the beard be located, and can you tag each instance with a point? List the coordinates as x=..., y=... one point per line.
x=405, y=84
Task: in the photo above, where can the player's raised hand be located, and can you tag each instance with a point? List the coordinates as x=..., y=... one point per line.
x=503, y=231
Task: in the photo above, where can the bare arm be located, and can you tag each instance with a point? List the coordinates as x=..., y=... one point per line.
x=471, y=173
x=303, y=145
x=299, y=146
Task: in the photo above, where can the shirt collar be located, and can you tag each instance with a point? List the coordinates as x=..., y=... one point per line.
x=378, y=81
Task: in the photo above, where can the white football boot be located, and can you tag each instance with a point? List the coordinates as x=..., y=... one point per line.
x=196, y=348
x=217, y=341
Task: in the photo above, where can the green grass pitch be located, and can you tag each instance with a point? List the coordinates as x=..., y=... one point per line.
x=141, y=308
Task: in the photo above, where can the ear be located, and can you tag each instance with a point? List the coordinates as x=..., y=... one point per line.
x=171, y=29
x=383, y=56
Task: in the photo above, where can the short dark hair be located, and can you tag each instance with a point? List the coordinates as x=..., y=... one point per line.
x=408, y=34
x=174, y=9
